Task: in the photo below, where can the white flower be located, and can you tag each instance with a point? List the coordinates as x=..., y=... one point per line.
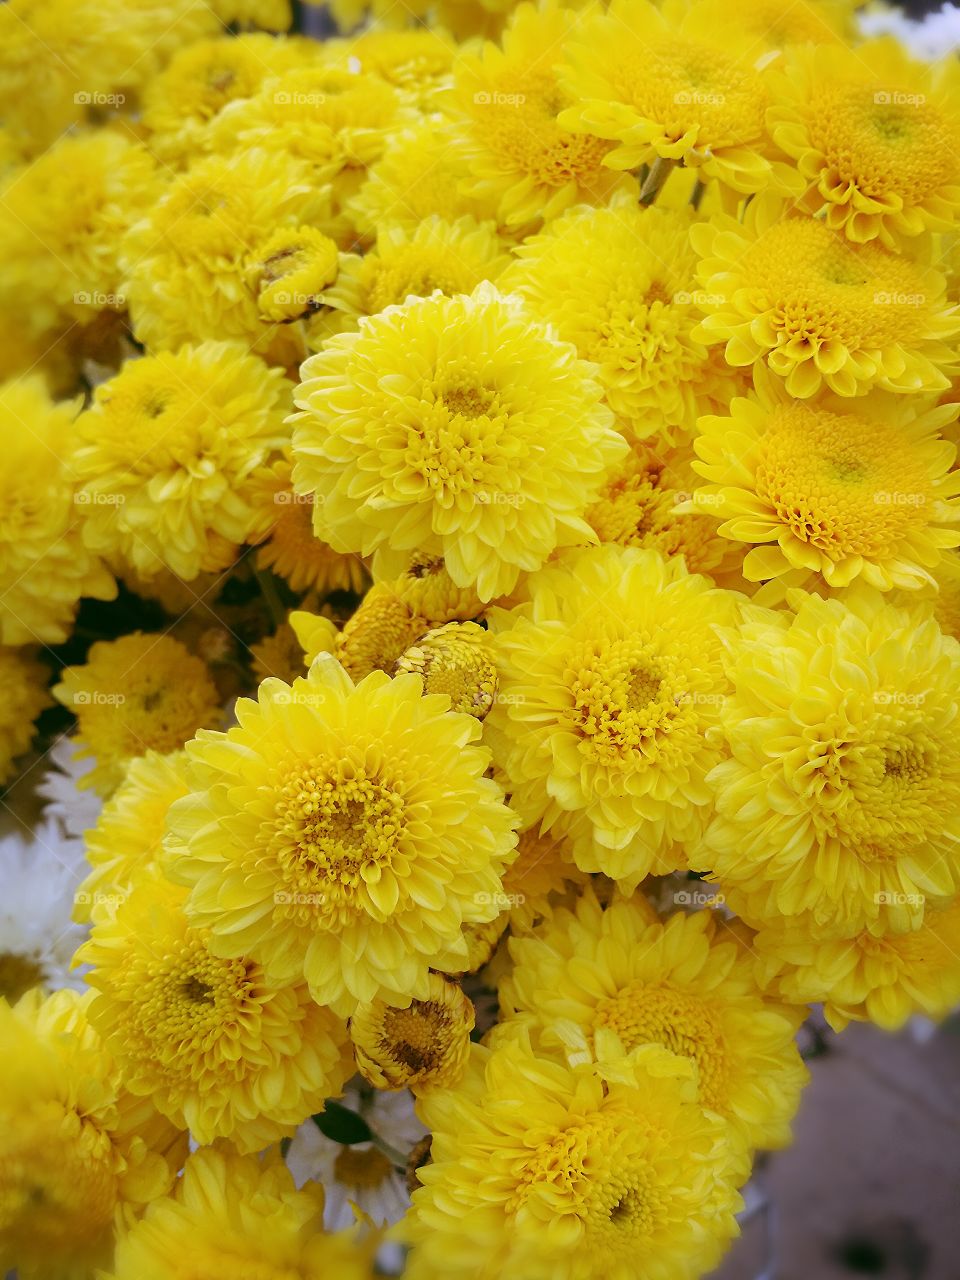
x=934, y=36
x=40, y=873
x=76, y=811
x=361, y=1174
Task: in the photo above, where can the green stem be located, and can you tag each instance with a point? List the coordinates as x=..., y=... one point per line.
x=652, y=183
x=268, y=589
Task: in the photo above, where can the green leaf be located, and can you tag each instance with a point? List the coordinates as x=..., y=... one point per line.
x=342, y=1125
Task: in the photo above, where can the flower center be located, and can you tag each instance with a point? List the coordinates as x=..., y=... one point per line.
x=416, y=1036
x=363, y=1169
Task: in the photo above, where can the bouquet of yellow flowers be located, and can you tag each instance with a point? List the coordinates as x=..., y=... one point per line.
x=479, y=615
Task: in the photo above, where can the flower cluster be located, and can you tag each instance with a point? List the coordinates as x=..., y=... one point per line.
x=479, y=620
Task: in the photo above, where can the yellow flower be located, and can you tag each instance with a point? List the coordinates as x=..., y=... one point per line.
x=542, y=873
x=280, y=654
x=840, y=802
x=819, y=309
x=517, y=153
x=875, y=976
x=875, y=138
x=167, y=452
x=552, y=1173
x=620, y=284
x=453, y=257
x=458, y=426
x=62, y=218
x=417, y=62
x=133, y=695
x=75, y=1146
x=670, y=84
x=290, y=272
x=288, y=544
x=684, y=985
x=187, y=260
x=216, y=1046
x=128, y=837
x=44, y=567
x=838, y=488
x=237, y=1215
x=775, y=26
x=24, y=681
x=421, y=174
x=611, y=686
x=341, y=832
x=198, y=82
x=374, y=637
x=455, y=659
x=427, y=588
x=638, y=508
x=424, y=1045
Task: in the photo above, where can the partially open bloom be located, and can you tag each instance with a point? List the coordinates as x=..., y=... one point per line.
x=839, y=804
x=238, y=1215
x=818, y=309
x=830, y=487
x=132, y=695
x=75, y=1145
x=340, y=832
x=167, y=453
x=456, y=426
x=456, y=660
x=424, y=1045
x=684, y=985
x=216, y=1046
x=611, y=686
x=552, y=1173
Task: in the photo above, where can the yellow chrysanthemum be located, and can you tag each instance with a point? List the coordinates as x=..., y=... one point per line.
x=455, y=659
x=683, y=985
x=342, y=832
x=611, y=686
x=75, y=1146
x=128, y=837
x=237, y=1215
x=946, y=594
x=552, y=1173
x=134, y=695
x=216, y=1046
x=840, y=802
x=421, y=174
x=280, y=655
x=187, y=260
x=818, y=309
x=517, y=154
x=875, y=976
x=167, y=452
x=200, y=80
x=458, y=426
x=291, y=272
x=426, y=588
x=540, y=875
x=418, y=62
x=24, y=681
x=667, y=85
x=44, y=566
x=373, y=638
x=837, y=488
x=875, y=138
x=620, y=284
x=62, y=217
x=773, y=26
x=290, y=547
x=638, y=508
x=453, y=257
x=422, y=1046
